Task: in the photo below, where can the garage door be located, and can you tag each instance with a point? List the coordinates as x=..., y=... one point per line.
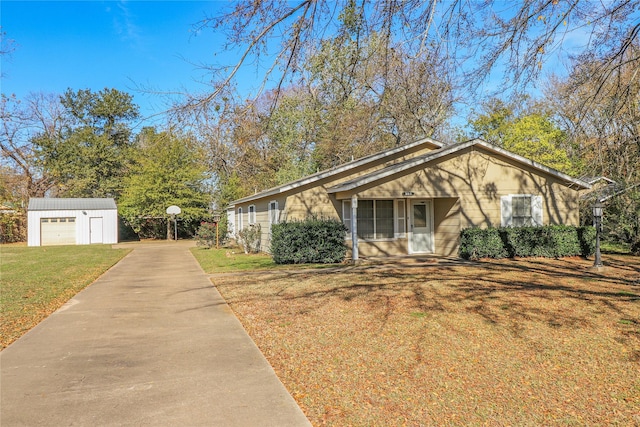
x=57, y=231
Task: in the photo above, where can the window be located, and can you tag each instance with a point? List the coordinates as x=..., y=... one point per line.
x=365, y=220
x=375, y=218
x=274, y=213
x=252, y=214
x=383, y=219
x=57, y=220
x=521, y=215
x=521, y=210
x=239, y=219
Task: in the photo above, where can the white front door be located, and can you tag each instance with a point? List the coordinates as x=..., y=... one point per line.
x=95, y=230
x=421, y=227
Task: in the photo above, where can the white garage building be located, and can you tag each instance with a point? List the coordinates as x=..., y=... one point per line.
x=71, y=221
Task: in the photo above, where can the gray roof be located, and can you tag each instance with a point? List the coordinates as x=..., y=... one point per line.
x=607, y=192
x=593, y=179
x=51, y=204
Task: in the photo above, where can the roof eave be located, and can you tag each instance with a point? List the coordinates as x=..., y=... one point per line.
x=333, y=171
x=585, y=185
x=394, y=169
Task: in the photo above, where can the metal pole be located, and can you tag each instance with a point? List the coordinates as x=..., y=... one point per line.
x=598, y=260
x=354, y=228
x=217, y=235
x=175, y=225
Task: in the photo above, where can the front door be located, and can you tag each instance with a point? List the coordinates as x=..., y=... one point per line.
x=95, y=230
x=421, y=231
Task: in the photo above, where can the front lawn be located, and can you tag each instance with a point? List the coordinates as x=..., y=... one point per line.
x=36, y=281
x=226, y=260
x=509, y=342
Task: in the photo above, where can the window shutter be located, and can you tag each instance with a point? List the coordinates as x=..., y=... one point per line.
x=400, y=230
x=346, y=216
x=536, y=210
x=231, y=220
x=505, y=211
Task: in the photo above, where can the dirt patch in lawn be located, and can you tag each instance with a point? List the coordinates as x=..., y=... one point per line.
x=515, y=342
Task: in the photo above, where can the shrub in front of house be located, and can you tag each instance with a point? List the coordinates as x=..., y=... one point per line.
x=551, y=241
x=476, y=243
x=250, y=238
x=312, y=240
x=206, y=234
x=13, y=227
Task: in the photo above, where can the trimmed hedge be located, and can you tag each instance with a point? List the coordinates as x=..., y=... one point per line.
x=310, y=241
x=551, y=241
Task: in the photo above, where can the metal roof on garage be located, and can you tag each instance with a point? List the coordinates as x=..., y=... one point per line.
x=55, y=204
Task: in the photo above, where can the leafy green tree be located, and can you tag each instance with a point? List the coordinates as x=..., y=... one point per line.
x=91, y=154
x=168, y=169
x=534, y=136
x=531, y=134
x=290, y=128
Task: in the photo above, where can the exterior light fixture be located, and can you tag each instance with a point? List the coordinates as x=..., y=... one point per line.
x=597, y=221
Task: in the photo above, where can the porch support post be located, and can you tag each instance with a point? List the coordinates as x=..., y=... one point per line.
x=354, y=227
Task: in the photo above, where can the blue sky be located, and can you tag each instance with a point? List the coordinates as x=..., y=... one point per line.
x=128, y=45
x=108, y=44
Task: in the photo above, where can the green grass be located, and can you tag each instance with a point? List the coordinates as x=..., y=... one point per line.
x=225, y=260
x=615, y=248
x=36, y=281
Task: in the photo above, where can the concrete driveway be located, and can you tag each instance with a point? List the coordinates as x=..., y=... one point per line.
x=150, y=343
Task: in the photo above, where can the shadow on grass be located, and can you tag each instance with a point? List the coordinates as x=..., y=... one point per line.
x=558, y=293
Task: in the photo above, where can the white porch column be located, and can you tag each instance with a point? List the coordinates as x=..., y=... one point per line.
x=354, y=227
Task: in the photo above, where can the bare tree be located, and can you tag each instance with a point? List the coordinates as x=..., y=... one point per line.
x=7, y=46
x=20, y=122
x=474, y=38
x=602, y=116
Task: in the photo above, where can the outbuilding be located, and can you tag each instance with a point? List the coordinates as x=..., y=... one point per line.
x=74, y=221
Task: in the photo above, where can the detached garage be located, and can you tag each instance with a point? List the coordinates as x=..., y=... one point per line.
x=72, y=221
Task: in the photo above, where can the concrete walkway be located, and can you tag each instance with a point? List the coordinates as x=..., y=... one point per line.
x=150, y=343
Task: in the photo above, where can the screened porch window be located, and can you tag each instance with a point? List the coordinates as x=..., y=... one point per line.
x=375, y=218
